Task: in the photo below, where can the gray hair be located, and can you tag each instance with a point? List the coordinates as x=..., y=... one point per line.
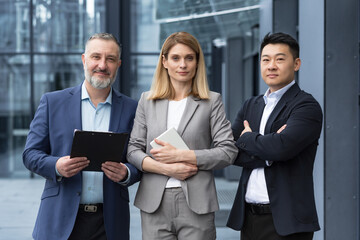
x=104, y=36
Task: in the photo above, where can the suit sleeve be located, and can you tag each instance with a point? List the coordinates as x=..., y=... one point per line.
x=134, y=173
x=303, y=127
x=243, y=158
x=36, y=156
x=224, y=151
x=137, y=143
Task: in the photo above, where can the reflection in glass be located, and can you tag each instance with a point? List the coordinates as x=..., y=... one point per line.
x=209, y=21
x=59, y=30
x=56, y=73
x=186, y=8
x=142, y=70
x=64, y=26
x=14, y=111
x=14, y=22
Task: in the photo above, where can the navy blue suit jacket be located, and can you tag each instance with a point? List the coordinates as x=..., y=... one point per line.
x=50, y=138
x=290, y=177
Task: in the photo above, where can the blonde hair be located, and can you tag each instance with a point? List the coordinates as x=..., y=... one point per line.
x=161, y=87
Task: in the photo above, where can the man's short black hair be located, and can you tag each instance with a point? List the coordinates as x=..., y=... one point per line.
x=283, y=38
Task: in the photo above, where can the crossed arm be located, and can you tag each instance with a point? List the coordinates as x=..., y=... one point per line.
x=158, y=162
x=170, y=161
x=247, y=128
x=179, y=163
x=302, y=128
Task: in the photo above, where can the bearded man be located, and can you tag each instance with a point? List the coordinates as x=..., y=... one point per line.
x=78, y=204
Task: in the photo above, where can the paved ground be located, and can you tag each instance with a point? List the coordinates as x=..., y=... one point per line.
x=20, y=198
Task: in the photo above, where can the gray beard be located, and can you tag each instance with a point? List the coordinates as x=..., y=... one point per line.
x=98, y=83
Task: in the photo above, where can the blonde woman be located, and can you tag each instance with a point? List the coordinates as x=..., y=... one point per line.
x=177, y=195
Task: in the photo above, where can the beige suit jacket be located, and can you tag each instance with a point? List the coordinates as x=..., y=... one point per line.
x=205, y=130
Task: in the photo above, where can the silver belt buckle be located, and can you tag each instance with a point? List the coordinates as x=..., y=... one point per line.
x=90, y=208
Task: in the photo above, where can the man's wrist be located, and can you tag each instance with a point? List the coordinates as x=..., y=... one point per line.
x=58, y=175
x=126, y=179
x=57, y=172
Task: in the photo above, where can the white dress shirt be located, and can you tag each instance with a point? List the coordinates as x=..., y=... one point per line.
x=175, y=112
x=256, y=191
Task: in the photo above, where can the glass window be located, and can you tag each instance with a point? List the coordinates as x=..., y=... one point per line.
x=143, y=68
x=56, y=72
x=58, y=33
x=14, y=22
x=210, y=22
x=14, y=111
x=65, y=25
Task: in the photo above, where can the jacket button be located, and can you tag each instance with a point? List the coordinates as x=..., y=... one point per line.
x=242, y=145
x=78, y=193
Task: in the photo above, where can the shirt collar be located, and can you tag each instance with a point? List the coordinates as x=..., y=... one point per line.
x=85, y=94
x=277, y=94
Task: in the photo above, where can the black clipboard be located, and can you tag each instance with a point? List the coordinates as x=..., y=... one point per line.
x=98, y=147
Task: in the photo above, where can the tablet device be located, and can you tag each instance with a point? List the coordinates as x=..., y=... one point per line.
x=170, y=136
x=98, y=147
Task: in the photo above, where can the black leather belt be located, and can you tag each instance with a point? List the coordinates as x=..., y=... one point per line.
x=258, y=209
x=91, y=207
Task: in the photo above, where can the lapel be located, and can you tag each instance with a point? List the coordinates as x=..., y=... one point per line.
x=288, y=96
x=116, y=111
x=74, y=108
x=161, y=112
x=191, y=106
x=74, y=113
x=258, y=109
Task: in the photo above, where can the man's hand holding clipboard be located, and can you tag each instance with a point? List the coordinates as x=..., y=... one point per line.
x=95, y=151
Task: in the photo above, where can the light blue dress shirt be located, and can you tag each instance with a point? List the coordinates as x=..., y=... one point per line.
x=93, y=119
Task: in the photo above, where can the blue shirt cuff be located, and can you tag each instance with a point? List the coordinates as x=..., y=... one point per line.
x=58, y=175
x=127, y=180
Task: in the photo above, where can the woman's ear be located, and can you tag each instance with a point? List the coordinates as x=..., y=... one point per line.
x=164, y=61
